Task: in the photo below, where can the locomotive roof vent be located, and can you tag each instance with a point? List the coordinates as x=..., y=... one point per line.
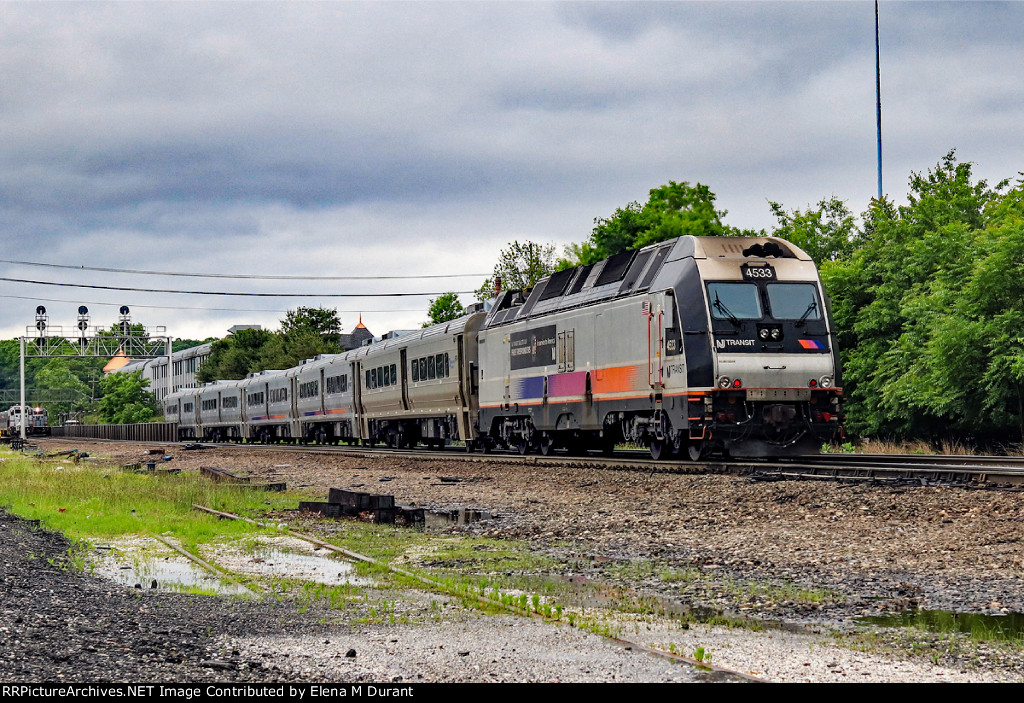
x=762, y=251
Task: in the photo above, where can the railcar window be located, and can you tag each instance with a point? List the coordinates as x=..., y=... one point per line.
x=337, y=384
x=794, y=301
x=278, y=395
x=387, y=375
x=414, y=368
x=394, y=374
x=431, y=368
x=423, y=369
x=188, y=407
x=229, y=402
x=734, y=300
x=447, y=371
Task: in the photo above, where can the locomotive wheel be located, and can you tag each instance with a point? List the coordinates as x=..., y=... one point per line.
x=546, y=444
x=660, y=449
x=523, y=445
x=696, y=450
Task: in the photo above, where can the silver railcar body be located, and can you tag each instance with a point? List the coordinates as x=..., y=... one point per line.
x=324, y=394
x=220, y=410
x=419, y=387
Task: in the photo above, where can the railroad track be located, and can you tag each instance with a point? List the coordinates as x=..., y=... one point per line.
x=904, y=469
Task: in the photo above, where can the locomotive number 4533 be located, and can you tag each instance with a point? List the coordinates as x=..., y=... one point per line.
x=758, y=273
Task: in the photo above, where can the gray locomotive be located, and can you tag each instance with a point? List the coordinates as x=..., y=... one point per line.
x=691, y=346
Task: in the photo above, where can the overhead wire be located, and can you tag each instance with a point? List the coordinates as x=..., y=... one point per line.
x=247, y=276
x=231, y=293
x=187, y=307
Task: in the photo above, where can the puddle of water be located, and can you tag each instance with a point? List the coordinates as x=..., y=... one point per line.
x=998, y=627
x=439, y=520
x=273, y=561
x=141, y=561
x=287, y=557
x=170, y=571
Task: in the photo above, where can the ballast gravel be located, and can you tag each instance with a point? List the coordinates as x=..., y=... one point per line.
x=868, y=549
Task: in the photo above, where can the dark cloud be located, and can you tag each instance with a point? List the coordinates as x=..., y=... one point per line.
x=385, y=136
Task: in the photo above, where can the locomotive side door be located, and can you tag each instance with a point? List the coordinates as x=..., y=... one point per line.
x=507, y=366
x=655, y=315
x=566, y=351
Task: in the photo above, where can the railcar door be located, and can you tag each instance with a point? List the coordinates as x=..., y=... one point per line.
x=403, y=377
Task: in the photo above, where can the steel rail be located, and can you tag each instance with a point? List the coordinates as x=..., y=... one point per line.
x=991, y=471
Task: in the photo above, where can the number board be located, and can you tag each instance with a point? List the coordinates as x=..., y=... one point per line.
x=758, y=273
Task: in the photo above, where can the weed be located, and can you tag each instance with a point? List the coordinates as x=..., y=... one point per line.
x=702, y=656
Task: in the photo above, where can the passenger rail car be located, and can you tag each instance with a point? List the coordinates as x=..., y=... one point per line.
x=693, y=346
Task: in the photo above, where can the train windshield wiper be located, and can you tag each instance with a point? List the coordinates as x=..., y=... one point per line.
x=803, y=318
x=720, y=307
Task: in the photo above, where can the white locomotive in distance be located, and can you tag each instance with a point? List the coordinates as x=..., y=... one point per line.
x=10, y=422
x=691, y=346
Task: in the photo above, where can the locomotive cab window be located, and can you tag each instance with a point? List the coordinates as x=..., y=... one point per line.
x=730, y=301
x=794, y=301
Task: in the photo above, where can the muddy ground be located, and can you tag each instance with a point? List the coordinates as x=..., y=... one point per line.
x=815, y=554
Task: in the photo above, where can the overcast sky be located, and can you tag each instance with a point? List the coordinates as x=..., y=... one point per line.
x=392, y=138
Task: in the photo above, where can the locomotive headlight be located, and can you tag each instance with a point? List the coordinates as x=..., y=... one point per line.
x=776, y=334
x=724, y=381
x=825, y=382
x=763, y=333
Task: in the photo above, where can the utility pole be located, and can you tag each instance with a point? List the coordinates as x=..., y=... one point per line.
x=878, y=102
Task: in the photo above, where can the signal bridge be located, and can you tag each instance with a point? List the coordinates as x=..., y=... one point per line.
x=42, y=340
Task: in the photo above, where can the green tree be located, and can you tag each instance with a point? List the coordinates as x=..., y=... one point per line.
x=182, y=344
x=519, y=267
x=125, y=399
x=58, y=377
x=305, y=333
x=672, y=210
x=912, y=341
x=235, y=356
x=827, y=232
x=444, y=308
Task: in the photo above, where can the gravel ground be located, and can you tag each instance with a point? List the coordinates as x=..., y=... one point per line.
x=811, y=555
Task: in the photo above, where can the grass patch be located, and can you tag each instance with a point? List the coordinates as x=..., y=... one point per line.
x=90, y=502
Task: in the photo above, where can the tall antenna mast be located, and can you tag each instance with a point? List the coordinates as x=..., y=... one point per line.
x=878, y=103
